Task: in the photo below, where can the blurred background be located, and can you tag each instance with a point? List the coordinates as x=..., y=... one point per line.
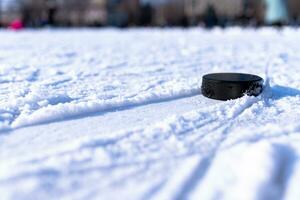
x=17, y=14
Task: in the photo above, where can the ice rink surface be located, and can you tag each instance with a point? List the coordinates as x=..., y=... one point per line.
x=118, y=114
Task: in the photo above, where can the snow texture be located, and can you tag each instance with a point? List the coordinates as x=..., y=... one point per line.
x=118, y=114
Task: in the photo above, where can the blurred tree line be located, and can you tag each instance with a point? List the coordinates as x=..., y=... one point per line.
x=123, y=13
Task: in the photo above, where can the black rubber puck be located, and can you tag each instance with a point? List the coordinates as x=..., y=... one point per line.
x=226, y=86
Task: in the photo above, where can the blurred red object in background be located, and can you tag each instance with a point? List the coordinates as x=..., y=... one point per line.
x=16, y=25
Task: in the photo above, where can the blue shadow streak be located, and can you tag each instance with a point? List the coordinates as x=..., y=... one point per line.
x=283, y=91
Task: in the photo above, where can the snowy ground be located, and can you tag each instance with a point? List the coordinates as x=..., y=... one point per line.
x=118, y=114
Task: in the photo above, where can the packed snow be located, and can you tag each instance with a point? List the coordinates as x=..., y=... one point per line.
x=118, y=114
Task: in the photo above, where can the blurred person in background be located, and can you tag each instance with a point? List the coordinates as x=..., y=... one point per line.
x=210, y=17
x=276, y=13
x=146, y=15
x=16, y=25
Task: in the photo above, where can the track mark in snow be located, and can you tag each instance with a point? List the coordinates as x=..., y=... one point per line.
x=67, y=110
x=261, y=170
x=196, y=174
x=182, y=178
x=284, y=160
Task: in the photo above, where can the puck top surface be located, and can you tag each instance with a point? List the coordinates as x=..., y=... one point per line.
x=232, y=77
x=227, y=86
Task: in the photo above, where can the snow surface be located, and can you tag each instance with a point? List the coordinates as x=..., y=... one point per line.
x=118, y=114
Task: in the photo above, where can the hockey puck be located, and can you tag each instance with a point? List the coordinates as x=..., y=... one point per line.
x=226, y=86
